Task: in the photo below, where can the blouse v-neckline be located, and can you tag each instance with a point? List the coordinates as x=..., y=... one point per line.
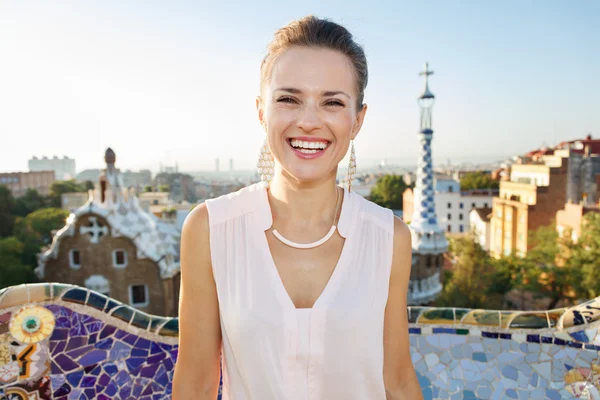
x=344, y=227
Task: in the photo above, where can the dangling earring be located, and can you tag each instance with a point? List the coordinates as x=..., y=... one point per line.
x=351, y=167
x=265, y=164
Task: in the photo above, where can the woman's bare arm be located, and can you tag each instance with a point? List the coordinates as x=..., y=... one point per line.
x=398, y=371
x=196, y=373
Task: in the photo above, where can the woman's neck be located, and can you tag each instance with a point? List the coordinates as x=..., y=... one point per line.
x=304, y=205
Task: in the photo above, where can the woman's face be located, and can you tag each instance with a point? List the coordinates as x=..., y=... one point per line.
x=309, y=111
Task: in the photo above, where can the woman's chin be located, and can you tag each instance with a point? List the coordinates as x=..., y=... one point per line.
x=307, y=175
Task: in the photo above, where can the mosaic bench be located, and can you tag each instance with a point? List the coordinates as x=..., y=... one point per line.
x=61, y=341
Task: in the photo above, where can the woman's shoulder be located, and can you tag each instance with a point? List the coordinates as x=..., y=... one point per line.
x=234, y=204
x=373, y=212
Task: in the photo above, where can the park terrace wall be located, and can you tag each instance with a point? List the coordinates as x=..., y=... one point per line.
x=65, y=342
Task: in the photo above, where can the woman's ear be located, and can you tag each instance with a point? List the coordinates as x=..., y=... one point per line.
x=360, y=118
x=260, y=110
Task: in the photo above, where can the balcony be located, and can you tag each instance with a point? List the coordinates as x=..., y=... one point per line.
x=68, y=342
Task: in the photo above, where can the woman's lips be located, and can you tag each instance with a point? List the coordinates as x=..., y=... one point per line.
x=308, y=154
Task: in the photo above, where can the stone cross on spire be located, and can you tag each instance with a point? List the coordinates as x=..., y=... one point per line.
x=426, y=94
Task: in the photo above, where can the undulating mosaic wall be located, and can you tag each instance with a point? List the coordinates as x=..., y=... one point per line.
x=64, y=342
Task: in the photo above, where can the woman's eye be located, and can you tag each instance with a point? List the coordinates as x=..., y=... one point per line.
x=286, y=100
x=335, y=103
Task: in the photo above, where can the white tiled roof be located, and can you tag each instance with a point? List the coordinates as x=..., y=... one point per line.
x=153, y=238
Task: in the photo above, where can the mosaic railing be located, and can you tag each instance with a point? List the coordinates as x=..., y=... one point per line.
x=64, y=342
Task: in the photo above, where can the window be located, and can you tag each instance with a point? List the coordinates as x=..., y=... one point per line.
x=449, y=205
x=460, y=205
x=155, y=202
x=460, y=217
x=450, y=189
x=119, y=258
x=428, y=260
x=472, y=205
x=449, y=228
x=449, y=217
x=485, y=205
x=138, y=295
x=74, y=259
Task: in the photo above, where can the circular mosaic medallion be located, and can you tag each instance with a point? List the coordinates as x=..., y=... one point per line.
x=31, y=324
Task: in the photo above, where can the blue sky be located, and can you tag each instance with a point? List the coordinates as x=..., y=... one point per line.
x=176, y=81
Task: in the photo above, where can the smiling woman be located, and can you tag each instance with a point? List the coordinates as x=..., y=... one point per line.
x=297, y=285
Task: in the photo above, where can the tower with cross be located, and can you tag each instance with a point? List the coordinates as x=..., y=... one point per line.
x=429, y=241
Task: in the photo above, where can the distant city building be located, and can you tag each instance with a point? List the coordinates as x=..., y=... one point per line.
x=64, y=168
x=231, y=165
x=19, y=182
x=428, y=239
x=148, y=199
x=479, y=220
x=217, y=165
x=540, y=184
x=529, y=200
x=181, y=186
x=169, y=169
x=452, y=205
x=137, y=179
x=458, y=174
x=72, y=201
x=114, y=247
x=571, y=219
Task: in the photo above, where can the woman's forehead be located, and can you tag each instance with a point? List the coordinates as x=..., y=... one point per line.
x=313, y=69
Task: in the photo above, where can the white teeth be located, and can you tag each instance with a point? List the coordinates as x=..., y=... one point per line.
x=299, y=144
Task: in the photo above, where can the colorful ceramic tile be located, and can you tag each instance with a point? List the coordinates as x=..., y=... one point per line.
x=437, y=316
x=38, y=389
x=5, y=349
x=58, y=289
x=32, y=359
x=31, y=324
x=529, y=320
x=171, y=328
x=14, y=296
x=90, y=353
x=582, y=314
x=38, y=292
x=76, y=295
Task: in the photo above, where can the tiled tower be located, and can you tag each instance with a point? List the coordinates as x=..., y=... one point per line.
x=428, y=240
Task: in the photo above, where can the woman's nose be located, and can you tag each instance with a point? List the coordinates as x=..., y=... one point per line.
x=308, y=118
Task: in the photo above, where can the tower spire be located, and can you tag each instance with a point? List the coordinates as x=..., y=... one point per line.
x=429, y=240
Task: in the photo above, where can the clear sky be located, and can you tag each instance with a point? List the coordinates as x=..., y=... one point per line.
x=166, y=81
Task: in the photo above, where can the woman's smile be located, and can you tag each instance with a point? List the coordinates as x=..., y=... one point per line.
x=308, y=148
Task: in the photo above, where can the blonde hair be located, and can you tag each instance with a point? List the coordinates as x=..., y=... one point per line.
x=311, y=31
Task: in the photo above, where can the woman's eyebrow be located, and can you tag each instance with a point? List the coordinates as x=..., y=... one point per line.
x=298, y=91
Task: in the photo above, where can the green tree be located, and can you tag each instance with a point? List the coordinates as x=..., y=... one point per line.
x=32, y=200
x=88, y=185
x=59, y=187
x=556, y=278
x=478, y=180
x=40, y=224
x=7, y=207
x=148, y=188
x=473, y=274
x=585, y=256
x=12, y=270
x=388, y=191
x=163, y=188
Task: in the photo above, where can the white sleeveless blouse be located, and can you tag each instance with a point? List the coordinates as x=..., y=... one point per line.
x=274, y=351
